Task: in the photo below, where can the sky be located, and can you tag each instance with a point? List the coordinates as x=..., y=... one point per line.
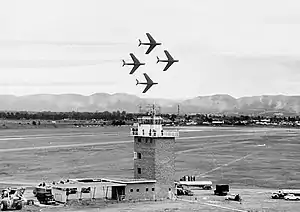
x=235, y=47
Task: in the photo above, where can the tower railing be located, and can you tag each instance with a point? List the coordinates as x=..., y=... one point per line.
x=162, y=133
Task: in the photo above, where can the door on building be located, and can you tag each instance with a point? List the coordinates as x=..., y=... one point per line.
x=118, y=192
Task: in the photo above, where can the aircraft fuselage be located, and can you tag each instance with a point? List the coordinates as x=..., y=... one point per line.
x=145, y=83
x=135, y=64
x=151, y=44
x=169, y=61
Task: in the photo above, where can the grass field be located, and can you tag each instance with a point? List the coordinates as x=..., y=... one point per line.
x=231, y=155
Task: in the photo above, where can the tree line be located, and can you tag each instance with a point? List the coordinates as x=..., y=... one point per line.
x=47, y=115
x=123, y=115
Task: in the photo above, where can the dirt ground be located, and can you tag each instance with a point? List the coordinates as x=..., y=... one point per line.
x=254, y=200
x=254, y=160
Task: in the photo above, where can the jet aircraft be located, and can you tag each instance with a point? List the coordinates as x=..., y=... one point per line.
x=151, y=45
x=149, y=83
x=136, y=63
x=169, y=61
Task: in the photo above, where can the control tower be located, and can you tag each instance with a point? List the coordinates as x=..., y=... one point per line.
x=154, y=155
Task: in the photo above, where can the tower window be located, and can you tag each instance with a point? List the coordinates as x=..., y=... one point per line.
x=137, y=190
x=139, y=170
x=131, y=190
x=169, y=189
x=147, y=189
x=139, y=155
x=139, y=139
x=153, y=189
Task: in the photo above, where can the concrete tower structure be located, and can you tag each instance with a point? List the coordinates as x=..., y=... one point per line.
x=154, y=155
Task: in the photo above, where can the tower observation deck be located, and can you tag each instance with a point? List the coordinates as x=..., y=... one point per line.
x=151, y=126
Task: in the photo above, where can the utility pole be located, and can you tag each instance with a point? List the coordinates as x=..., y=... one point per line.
x=178, y=110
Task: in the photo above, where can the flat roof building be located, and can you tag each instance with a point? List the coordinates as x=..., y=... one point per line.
x=104, y=188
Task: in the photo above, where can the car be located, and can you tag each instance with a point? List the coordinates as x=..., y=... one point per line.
x=291, y=197
x=233, y=197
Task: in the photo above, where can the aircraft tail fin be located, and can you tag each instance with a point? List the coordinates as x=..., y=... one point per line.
x=123, y=63
x=157, y=59
x=137, y=82
x=140, y=42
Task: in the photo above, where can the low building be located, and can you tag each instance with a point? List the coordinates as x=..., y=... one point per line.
x=108, y=189
x=78, y=189
x=136, y=189
x=217, y=122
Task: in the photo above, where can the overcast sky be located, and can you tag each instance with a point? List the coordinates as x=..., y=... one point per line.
x=237, y=47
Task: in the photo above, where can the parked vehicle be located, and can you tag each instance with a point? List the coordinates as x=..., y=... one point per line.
x=43, y=193
x=284, y=192
x=205, y=185
x=221, y=189
x=278, y=195
x=182, y=191
x=11, y=199
x=234, y=197
x=291, y=197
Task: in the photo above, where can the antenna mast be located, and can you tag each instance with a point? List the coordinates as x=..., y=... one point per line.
x=152, y=110
x=140, y=109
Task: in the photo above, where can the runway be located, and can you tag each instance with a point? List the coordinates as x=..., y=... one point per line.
x=94, y=143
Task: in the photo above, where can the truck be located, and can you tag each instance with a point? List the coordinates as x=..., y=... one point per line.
x=221, y=189
x=43, y=193
x=11, y=199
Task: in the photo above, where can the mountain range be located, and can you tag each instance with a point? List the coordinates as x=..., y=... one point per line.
x=220, y=103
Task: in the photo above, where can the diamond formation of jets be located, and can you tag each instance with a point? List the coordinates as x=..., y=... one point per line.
x=169, y=61
x=136, y=63
x=151, y=45
x=149, y=83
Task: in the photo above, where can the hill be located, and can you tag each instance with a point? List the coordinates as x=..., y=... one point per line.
x=220, y=103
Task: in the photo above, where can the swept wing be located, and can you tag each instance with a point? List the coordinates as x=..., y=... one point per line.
x=168, y=66
x=151, y=39
x=168, y=55
x=147, y=88
x=134, y=69
x=149, y=81
x=151, y=47
x=135, y=60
